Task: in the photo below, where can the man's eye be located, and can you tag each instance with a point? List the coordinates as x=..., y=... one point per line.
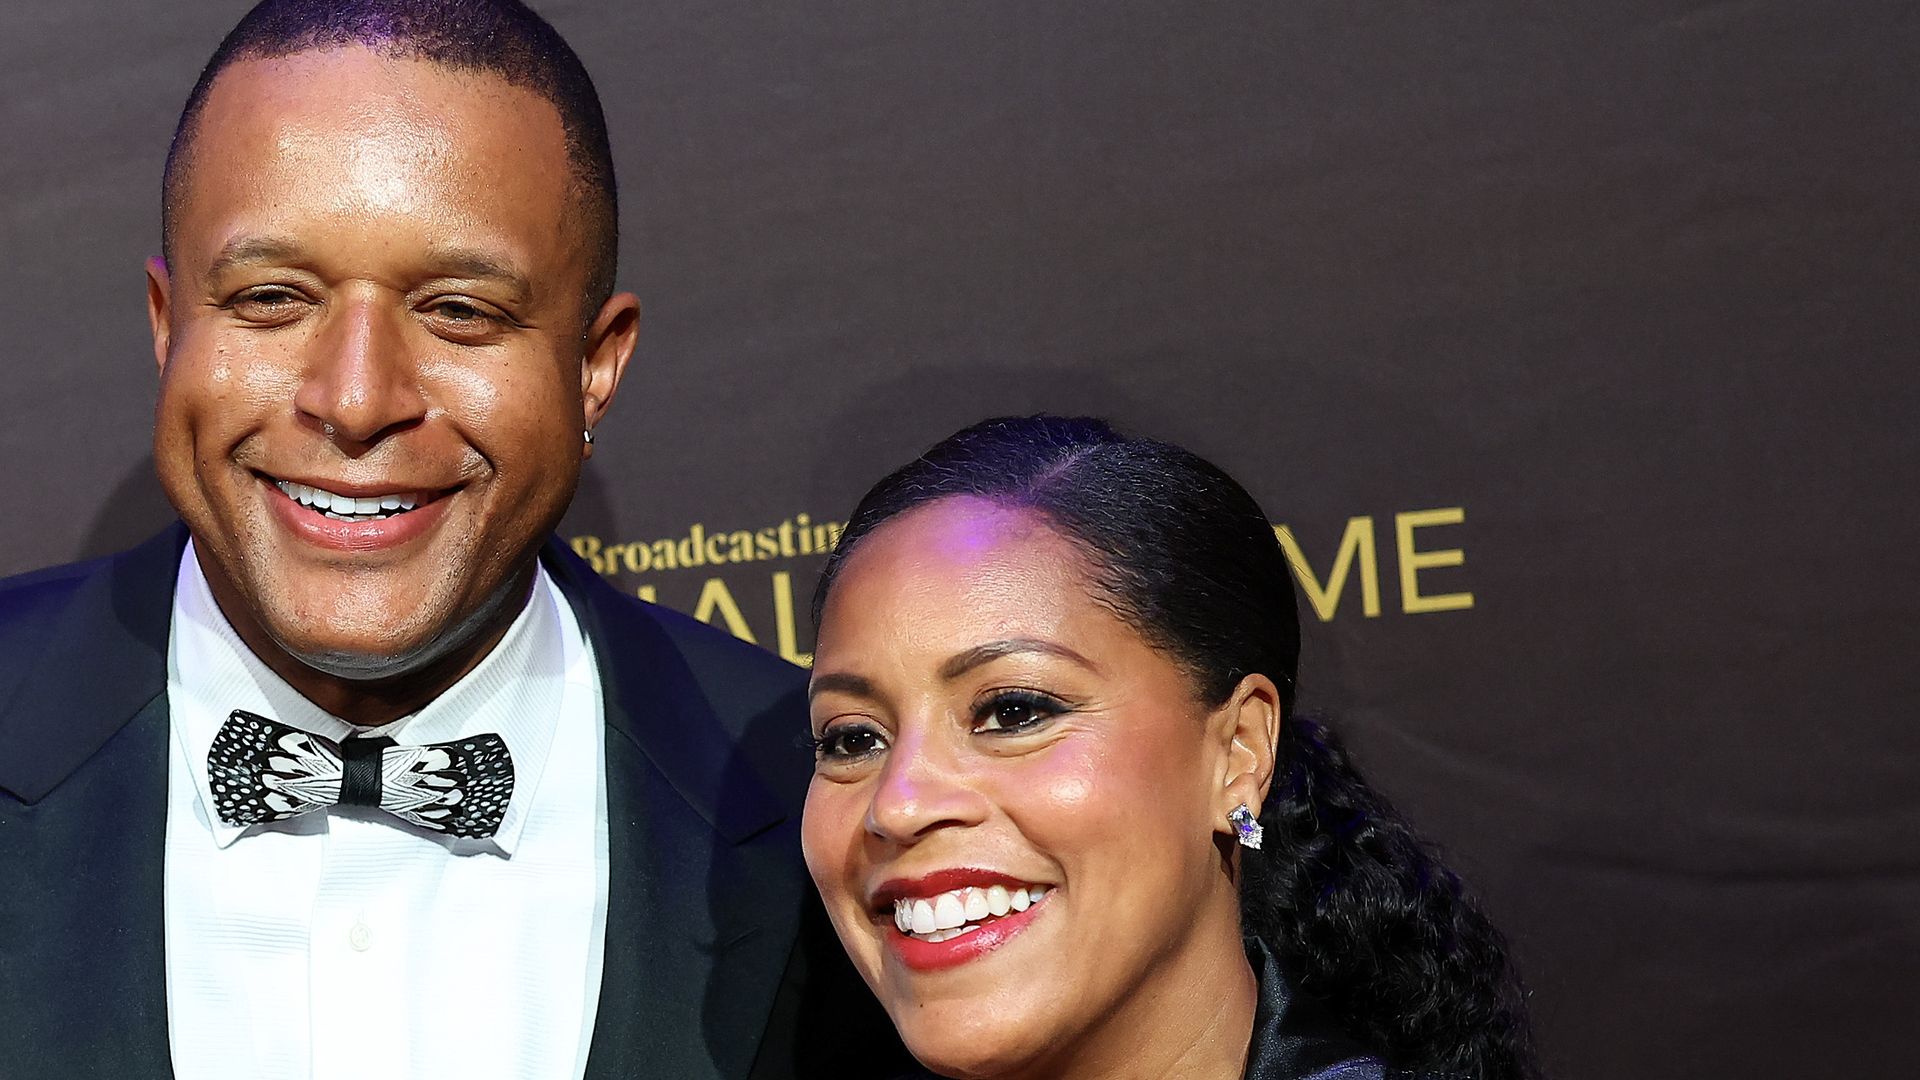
x=848, y=743
x=266, y=304
x=464, y=321
x=1016, y=710
x=458, y=312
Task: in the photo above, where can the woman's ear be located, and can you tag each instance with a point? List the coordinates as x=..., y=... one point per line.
x=1248, y=727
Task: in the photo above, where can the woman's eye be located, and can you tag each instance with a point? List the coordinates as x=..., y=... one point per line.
x=848, y=743
x=1016, y=711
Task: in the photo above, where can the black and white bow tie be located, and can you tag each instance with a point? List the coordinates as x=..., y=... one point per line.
x=263, y=770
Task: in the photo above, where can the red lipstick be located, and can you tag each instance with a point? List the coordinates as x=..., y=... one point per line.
x=941, y=881
x=973, y=941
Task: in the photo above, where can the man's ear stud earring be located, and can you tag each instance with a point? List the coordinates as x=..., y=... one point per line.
x=328, y=428
x=1246, y=828
x=589, y=434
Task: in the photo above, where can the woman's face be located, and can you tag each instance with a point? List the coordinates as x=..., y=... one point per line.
x=1014, y=811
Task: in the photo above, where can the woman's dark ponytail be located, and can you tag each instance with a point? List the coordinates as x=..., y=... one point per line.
x=1366, y=918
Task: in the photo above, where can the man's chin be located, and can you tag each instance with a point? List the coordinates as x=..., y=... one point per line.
x=365, y=665
x=426, y=646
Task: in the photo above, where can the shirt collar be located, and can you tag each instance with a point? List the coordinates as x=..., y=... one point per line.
x=514, y=691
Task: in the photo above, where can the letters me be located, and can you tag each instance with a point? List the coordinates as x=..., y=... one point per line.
x=1357, y=546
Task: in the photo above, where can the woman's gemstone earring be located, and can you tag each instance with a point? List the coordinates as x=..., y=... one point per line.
x=1246, y=827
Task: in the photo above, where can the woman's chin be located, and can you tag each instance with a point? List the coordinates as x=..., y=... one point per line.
x=970, y=1062
x=964, y=1044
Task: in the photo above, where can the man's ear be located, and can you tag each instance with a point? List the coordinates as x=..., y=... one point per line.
x=1248, y=730
x=159, y=307
x=608, y=347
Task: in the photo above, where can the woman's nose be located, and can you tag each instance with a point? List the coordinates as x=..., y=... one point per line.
x=924, y=787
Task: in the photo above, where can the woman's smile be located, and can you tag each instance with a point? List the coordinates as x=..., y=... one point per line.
x=950, y=917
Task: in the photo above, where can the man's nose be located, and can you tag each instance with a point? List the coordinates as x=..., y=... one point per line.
x=925, y=786
x=361, y=380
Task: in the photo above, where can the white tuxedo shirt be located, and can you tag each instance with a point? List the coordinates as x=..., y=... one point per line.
x=347, y=945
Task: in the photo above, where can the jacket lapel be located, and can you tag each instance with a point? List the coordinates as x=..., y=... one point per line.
x=82, y=960
x=102, y=657
x=705, y=885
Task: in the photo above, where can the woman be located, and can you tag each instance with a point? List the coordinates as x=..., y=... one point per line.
x=1063, y=816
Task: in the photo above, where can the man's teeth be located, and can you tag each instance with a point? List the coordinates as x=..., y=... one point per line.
x=938, y=918
x=347, y=507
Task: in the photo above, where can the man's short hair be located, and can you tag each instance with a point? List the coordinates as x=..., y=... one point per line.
x=503, y=38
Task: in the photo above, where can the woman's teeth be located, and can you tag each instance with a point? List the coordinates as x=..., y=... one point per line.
x=346, y=507
x=951, y=914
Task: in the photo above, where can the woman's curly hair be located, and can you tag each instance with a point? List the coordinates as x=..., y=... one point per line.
x=1362, y=914
x=1369, y=920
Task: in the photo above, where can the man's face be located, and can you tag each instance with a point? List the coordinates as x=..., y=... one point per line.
x=376, y=291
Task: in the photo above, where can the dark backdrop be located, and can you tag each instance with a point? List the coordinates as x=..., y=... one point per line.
x=1585, y=331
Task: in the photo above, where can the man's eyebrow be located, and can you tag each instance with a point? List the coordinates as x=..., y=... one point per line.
x=961, y=663
x=252, y=249
x=440, y=262
x=845, y=682
x=478, y=265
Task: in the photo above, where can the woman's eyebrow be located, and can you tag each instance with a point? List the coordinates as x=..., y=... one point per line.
x=845, y=682
x=961, y=663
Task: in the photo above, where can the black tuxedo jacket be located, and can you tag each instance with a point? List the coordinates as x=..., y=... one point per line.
x=719, y=962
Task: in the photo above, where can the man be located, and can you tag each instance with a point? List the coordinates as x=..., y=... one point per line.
x=360, y=773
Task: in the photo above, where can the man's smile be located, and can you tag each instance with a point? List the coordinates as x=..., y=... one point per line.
x=356, y=517
x=342, y=507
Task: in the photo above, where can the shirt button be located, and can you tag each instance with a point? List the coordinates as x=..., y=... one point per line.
x=360, y=937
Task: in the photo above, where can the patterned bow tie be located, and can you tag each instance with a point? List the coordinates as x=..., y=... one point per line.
x=262, y=770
